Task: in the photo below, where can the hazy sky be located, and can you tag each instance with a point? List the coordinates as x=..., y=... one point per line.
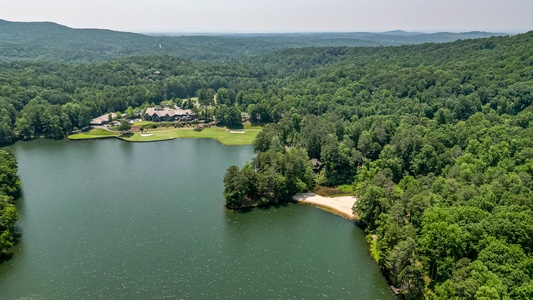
x=277, y=15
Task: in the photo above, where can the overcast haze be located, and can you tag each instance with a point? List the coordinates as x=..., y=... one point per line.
x=277, y=15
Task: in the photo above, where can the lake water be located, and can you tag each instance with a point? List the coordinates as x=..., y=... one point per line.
x=109, y=219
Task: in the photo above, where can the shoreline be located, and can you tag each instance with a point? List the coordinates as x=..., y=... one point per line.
x=222, y=135
x=150, y=141
x=341, y=206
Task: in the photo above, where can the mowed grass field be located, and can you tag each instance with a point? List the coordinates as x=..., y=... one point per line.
x=225, y=136
x=96, y=133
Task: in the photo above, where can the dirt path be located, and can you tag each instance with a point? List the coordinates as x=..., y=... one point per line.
x=338, y=205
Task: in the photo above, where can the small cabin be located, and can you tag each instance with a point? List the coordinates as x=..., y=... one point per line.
x=315, y=163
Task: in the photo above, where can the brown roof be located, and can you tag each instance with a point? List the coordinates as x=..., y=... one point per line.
x=161, y=112
x=103, y=118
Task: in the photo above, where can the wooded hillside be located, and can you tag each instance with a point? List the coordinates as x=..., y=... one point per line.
x=435, y=139
x=54, y=42
x=437, y=142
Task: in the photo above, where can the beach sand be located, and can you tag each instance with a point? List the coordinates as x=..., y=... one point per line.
x=338, y=205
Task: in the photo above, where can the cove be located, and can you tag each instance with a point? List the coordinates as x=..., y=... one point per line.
x=116, y=220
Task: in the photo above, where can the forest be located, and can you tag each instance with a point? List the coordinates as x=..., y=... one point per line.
x=434, y=138
x=53, y=42
x=10, y=186
x=436, y=141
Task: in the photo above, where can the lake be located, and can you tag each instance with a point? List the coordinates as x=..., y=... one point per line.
x=107, y=219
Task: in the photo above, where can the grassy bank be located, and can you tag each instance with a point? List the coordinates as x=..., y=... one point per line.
x=96, y=133
x=224, y=135
x=340, y=191
x=372, y=240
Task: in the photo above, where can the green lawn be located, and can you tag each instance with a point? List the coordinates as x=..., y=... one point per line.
x=347, y=188
x=140, y=123
x=223, y=135
x=96, y=133
x=249, y=125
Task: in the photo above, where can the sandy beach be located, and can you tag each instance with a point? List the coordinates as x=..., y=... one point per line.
x=338, y=205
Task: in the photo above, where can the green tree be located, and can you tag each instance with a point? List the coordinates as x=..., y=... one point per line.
x=24, y=128
x=232, y=117
x=370, y=205
x=124, y=125
x=233, y=193
x=442, y=242
x=407, y=269
x=10, y=184
x=10, y=187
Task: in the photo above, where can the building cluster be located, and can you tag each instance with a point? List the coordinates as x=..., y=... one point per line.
x=167, y=114
x=154, y=114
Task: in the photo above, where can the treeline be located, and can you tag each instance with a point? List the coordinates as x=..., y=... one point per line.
x=436, y=140
x=10, y=186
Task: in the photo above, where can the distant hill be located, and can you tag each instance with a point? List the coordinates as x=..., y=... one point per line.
x=51, y=41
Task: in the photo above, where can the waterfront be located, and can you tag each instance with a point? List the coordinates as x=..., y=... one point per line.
x=111, y=219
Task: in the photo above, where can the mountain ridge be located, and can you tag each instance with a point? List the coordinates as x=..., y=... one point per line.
x=52, y=41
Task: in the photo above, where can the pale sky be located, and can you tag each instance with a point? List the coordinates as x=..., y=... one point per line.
x=277, y=15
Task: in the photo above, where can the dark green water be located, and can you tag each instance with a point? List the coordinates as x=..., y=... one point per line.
x=114, y=220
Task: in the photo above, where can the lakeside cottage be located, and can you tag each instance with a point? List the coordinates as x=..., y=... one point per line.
x=157, y=114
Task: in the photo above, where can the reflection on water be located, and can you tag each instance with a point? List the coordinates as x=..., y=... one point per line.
x=110, y=219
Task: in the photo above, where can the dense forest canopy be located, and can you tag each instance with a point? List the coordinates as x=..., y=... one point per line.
x=435, y=139
x=437, y=142
x=9, y=190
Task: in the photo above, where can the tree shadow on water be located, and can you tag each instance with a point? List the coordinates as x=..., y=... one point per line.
x=244, y=210
x=6, y=256
x=127, y=134
x=274, y=205
x=266, y=207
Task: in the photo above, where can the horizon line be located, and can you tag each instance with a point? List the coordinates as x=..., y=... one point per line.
x=203, y=31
